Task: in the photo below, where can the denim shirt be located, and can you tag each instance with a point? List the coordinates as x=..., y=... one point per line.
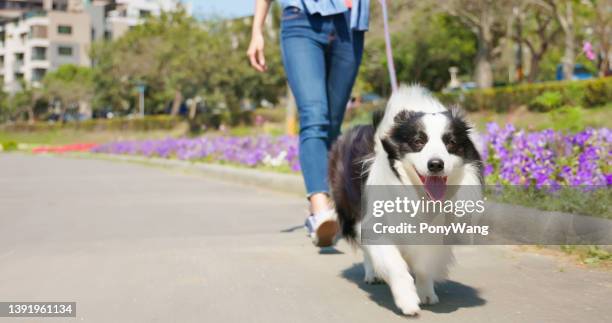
x=360, y=13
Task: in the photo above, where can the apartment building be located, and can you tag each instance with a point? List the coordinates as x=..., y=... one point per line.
x=129, y=13
x=41, y=40
x=12, y=9
x=39, y=36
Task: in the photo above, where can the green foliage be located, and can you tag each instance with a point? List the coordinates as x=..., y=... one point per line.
x=590, y=93
x=568, y=118
x=9, y=146
x=178, y=58
x=575, y=200
x=589, y=255
x=546, y=101
x=423, y=52
x=598, y=93
x=70, y=84
x=149, y=123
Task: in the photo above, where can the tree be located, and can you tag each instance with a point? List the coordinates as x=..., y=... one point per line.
x=423, y=52
x=179, y=58
x=71, y=85
x=483, y=17
x=24, y=101
x=5, y=108
x=602, y=27
x=563, y=11
x=540, y=31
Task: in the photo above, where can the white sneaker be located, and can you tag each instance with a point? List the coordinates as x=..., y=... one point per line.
x=322, y=228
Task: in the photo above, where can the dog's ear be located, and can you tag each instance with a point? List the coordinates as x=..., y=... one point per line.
x=390, y=147
x=463, y=128
x=377, y=117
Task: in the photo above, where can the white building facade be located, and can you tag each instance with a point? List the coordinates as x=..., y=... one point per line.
x=40, y=40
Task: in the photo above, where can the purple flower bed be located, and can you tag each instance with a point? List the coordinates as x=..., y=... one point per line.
x=513, y=157
x=548, y=157
x=248, y=151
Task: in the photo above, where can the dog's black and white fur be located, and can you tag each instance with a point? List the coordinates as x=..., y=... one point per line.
x=416, y=141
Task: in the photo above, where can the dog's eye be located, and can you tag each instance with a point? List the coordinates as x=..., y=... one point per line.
x=452, y=141
x=419, y=142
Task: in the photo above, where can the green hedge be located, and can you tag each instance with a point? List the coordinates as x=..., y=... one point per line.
x=276, y=115
x=118, y=124
x=588, y=94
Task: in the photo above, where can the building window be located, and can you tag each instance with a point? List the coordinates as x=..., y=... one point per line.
x=145, y=13
x=64, y=51
x=60, y=5
x=65, y=30
x=38, y=74
x=39, y=53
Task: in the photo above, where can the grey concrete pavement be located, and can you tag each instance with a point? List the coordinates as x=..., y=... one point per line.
x=130, y=243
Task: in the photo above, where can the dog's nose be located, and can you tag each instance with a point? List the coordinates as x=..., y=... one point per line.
x=435, y=165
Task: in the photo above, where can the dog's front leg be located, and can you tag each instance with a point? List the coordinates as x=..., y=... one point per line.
x=370, y=274
x=425, y=288
x=389, y=265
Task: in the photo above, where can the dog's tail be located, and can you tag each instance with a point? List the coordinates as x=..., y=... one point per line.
x=348, y=170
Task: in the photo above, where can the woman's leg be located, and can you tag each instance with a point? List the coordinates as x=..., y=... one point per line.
x=343, y=60
x=305, y=66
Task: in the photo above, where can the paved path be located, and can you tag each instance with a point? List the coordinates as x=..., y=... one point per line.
x=131, y=243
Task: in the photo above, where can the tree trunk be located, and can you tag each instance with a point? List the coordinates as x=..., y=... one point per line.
x=569, y=56
x=484, y=71
x=534, y=69
x=193, y=109
x=30, y=112
x=176, y=103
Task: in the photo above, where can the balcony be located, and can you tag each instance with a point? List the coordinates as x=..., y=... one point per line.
x=38, y=32
x=34, y=13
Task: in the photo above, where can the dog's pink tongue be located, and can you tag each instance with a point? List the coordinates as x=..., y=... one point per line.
x=435, y=186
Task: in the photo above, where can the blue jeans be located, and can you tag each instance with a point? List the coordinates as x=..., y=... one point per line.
x=321, y=55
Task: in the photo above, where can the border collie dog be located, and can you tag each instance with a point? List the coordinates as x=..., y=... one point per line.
x=418, y=142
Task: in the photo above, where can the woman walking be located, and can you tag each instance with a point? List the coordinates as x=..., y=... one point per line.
x=322, y=45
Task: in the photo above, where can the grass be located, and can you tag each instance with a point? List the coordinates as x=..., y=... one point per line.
x=595, y=202
x=522, y=118
x=68, y=136
x=595, y=257
x=564, y=119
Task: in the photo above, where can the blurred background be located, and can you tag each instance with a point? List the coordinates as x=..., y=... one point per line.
x=170, y=79
x=68, y=64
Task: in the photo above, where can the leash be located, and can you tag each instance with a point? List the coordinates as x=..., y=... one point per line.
x=388, y=48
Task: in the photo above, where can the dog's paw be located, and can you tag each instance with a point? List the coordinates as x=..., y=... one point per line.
x=428, y=298
x=408, y=303
x=373, y=280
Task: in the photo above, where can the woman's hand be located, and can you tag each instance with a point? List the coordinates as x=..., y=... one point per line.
x=256, y=52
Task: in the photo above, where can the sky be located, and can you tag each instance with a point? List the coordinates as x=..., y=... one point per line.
x=223, y=8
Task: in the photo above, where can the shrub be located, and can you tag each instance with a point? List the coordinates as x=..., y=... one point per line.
x=589, y=93
x=598, y=93
x=546, y=101
x=118, y=124
x=9, y=146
